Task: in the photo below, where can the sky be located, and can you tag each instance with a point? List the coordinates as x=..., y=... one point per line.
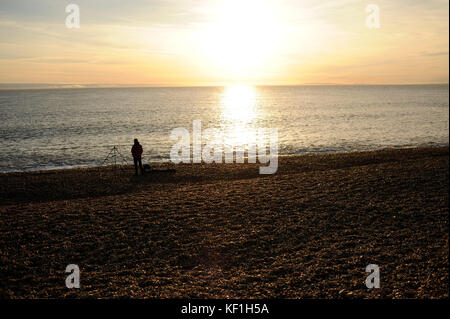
x=222, y=42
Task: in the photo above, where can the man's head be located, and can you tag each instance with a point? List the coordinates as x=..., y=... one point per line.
x=136, y=141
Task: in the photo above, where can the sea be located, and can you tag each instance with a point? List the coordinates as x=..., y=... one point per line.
x=45, y=129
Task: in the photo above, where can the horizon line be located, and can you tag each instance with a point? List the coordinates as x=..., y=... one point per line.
x=56, y=86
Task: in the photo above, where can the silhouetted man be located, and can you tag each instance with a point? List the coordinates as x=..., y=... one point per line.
x=136, y=151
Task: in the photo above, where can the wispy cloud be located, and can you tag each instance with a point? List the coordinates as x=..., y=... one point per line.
x=163, y=40
x=435, y=53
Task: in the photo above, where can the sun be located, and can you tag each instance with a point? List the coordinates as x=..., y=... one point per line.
x=243, y=37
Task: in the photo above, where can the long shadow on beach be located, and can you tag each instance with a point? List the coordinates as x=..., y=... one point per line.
x=42, y=186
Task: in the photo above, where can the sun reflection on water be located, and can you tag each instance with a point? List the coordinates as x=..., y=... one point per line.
x=239, y=115
x=239, y=103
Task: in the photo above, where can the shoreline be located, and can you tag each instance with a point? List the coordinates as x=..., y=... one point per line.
x=167, y=161
x=85, y=182
x=224, y=231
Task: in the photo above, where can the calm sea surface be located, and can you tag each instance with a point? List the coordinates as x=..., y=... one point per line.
x=56, y=128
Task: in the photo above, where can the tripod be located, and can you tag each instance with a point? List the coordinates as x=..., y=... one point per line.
x=114, y=155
